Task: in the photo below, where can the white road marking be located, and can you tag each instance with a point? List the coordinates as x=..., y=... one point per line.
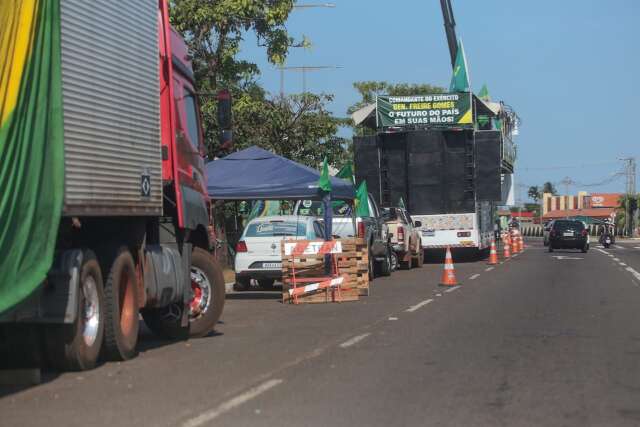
x=438, y=295
x=634, y=272
x=354, y=340
x=622, y=264
x=488, y=269
x=393, y=318
x=514, y=255
x=636, y=247
x=604, y=252
x=616, y=259
x=474, y=277
x=455, y=288
x=227, y=406
x=561, y=257
x=420, y=304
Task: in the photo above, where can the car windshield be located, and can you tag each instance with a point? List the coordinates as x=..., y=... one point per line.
x=276, y=228
x=568, y=225
x=315, y=208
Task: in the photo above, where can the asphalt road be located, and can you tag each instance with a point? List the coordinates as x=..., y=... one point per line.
x=541, y=340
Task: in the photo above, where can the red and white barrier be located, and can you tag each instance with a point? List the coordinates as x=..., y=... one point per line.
x=313, y=247
x=331, y=283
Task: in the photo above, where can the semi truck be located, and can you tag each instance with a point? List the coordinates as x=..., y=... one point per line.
x=448, y=156
x=450, y=180
x=102, y=188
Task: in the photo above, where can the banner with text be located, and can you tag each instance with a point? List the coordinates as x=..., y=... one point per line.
x=437, y=110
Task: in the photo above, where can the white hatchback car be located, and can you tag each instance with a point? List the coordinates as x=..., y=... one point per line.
x=258, y=250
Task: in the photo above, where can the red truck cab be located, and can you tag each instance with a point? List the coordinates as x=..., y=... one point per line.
x=183, y=148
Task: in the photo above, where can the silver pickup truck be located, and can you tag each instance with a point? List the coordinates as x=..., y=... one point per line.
x=372, y=228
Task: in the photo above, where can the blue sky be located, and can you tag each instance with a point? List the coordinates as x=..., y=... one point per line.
x=569, y=68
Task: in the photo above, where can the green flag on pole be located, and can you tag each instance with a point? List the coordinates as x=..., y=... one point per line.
x=362, y=200
x=460, y=77
x=324, y=183
x=346, y=172
x=484, y=93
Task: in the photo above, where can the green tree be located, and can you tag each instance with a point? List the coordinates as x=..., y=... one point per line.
x=548, y=187
x=298, y=127
x=628, y=206
x=534, y=193
x=214, y=31
x=368, y=90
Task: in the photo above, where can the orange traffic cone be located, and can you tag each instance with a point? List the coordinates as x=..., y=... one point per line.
x=515, y=247
x=507, y=250
x=493, y=254
x=448, y=274
x=520, y=242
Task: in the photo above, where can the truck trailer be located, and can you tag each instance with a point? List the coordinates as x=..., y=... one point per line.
x=102, y=188
x=450, y=177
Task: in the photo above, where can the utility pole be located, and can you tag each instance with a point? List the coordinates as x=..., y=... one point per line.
x=630, y=209
x=304, y=75
x=566, y=181
x=304, y=69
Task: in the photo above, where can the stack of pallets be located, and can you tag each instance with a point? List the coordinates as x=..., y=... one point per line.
x=351, y=262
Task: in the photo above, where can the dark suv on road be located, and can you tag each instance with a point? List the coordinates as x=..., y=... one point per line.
x=568, y=234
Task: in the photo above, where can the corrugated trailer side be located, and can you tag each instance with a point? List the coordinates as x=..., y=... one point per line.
x=110, y=87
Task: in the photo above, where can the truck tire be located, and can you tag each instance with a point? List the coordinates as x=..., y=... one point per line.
x=385, y=265
x=395, y=261
x=207, y=283
x=406, y=265
x=76, y=347
x=205, y=307
x=418, y=260
x=121, y=308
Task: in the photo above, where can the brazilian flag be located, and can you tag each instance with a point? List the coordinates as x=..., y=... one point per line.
x=460, y=77
x=31, y=145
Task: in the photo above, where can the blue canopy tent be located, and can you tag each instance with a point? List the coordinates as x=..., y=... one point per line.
x=257, y=174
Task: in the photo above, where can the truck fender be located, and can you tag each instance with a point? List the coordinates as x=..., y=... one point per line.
x=58, y=298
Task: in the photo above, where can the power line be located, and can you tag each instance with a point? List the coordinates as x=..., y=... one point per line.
x=568, y=166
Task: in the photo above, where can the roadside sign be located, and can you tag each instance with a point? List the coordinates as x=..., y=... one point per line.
x=435, y=110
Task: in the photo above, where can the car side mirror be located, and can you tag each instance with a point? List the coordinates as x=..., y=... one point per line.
x=417, y=224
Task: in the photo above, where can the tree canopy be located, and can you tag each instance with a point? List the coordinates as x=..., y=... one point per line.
x=298, y=127
x=548, y=187
x=368, y=90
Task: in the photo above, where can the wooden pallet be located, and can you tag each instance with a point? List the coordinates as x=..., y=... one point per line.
x=352, y=262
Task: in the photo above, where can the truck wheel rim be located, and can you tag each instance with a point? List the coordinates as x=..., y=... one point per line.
x=90, y=311
x=128, y=310
x=201, y=291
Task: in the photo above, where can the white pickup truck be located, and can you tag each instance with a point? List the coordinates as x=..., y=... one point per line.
x=372, y=228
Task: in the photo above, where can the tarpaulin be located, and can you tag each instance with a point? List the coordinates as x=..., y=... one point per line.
x=31, y=144
x=257, y=174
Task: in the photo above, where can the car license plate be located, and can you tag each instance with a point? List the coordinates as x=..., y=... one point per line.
x=568, y=234
x=429, y=233
x=271, y=265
